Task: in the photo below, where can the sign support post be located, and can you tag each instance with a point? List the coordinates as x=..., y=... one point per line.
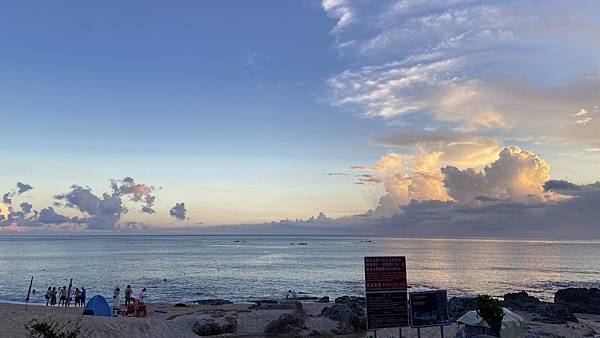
x=28, y=293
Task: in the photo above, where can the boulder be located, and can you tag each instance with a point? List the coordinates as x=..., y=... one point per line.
x=323, y=300
x=548, y=312
x=307, y=298
x=265, y=301
x=180, y=305
x=351, y=317
x=211, y=326
x=458, y=306
x=287, y=324
x=287, y=305
x=351, y=299
x=579, y=300
x=213, y=302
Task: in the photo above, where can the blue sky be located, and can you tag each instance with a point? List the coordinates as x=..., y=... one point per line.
x=241, y=109
x=178, y=95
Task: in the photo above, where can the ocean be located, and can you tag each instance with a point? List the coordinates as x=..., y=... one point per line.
x=242, y=268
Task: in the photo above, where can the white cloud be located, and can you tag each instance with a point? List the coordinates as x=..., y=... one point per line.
x=517, y=175
x=482, y=65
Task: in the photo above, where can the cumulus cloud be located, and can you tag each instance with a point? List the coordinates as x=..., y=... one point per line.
x=7, y=198
x=105, y=211
x=98, y=211
x=23, y=187
x=137, y=192
x=49, y=216
x=517, y=175
x=178, y=211
x=405, y=178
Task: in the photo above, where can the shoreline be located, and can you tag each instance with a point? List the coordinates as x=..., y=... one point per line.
x=326, y=317
x=167, y=320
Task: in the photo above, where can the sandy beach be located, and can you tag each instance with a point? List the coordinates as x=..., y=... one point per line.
x=167, y=320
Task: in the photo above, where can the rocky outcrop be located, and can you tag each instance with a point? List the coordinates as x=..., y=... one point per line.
x=286, y=305
x=323, y=300
x=351, y=299
x=287, y=324
x=579, y=300
x=351, y=317
x=180, y=305
x=313, y=298
x=458, y=306
x=215, y=326
x=213, y=302
x=546, y=312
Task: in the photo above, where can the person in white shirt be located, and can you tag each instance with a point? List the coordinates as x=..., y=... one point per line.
x=116, y=300
x=142, y=296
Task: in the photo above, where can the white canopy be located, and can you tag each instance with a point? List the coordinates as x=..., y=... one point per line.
x=512, y=324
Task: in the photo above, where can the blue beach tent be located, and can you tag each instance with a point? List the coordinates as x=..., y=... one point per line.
x=97, y=306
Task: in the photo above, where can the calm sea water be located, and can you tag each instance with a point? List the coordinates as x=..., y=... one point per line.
x=179, y=268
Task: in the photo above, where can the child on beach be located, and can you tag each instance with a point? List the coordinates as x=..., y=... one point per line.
x=82, y=296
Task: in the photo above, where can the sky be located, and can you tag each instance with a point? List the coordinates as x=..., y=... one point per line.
x=434, y=116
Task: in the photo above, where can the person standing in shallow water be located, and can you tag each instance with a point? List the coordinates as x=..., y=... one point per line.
x=82, y=296
x=128, y=297
x=53, y=296
x=77, y=297
x=47, y=295
x=63, y=296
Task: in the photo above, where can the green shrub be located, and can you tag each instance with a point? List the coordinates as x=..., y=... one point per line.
x=490, y=310
x=53, y=329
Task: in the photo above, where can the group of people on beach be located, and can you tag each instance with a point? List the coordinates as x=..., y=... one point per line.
x=65, y=296
x=129, y=299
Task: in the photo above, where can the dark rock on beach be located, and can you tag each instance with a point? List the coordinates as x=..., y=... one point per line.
x=180, y=305
x=286, y=324
x=265, y=301
x=313, y=298
x=458, y=306
x=211, y=327
x=579, y=300
x=350, y=315
x=323, y=300
x=289, y=305
x=351, y=299
x=213, y=302
x=548, y=312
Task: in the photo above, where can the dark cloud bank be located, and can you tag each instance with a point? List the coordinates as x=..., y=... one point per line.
x=576, y=214
x=99, y=212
